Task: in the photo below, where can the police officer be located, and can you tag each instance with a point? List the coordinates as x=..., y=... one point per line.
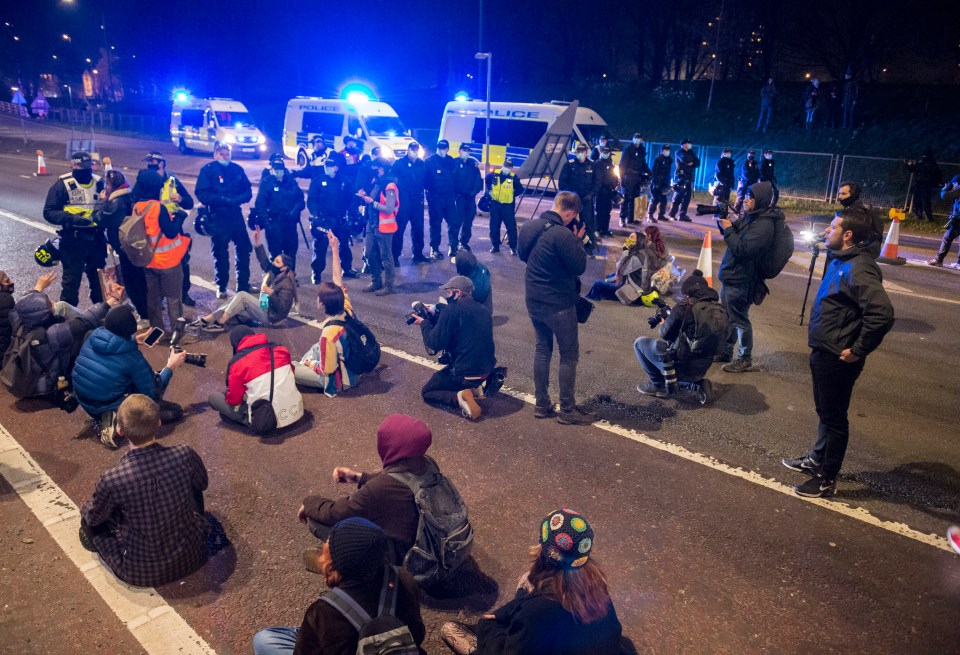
x=223, y=186
x=175, y=198
x=687, y=164
x=504, y=187
x=277, y=210
x=328, y=198
x=768, y=173
x=467, y=183
x=409, y=172
x=748, y=175
x=83, y=245
x=724, y=177
x=318, y=154
x=659, y=184
x=579, y=176
x=606, y=172
x=597, y=151
x=441, y=201
x=633, y=167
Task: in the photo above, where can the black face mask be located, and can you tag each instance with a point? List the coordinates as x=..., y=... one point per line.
x=275, y=269
x=153, y=167
x=83, y=175
x=848, y=201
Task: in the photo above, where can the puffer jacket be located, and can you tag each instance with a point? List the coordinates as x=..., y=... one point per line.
x=248, y=379
x=748, y=238
x=6, y=305
x=107, y=369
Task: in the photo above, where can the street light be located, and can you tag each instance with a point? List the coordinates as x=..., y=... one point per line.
x=66, y=37
x=486, y=145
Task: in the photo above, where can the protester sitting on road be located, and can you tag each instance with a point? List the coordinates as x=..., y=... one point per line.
x=278, y=294
x=353, y=566
x=324, y=366
x=402, y=443
x=463, y=329
x=255, y=365
x=6, y=304
x=146, y=517
x=562, y=605
x=629, y=268
x=479, y=274
x=49, y=343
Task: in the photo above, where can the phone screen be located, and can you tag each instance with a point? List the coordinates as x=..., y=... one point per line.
x=153, y=337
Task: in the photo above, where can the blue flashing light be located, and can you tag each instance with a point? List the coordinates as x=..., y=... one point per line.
x=462, y=96
x=181, y=96
x=357, y=93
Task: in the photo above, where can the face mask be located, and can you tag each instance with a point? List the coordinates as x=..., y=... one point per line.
x=727, y=155
x=581, y=156
x=605, y=155
x=330, y=170
x=507, y=171
x=768, y=157
x=83, y=175
x=278, y=173
x=223, y=162
x=153, y=167
x=846, y=202
x=276, y=270
x=464, y=156
x=442, y=153
x=636, y=142
x=412, y=154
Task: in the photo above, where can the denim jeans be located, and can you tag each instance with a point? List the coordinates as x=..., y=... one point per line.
x=275, y=641
x=833, y=381
x=736, y=300
x=563, y=326
x=649, y=352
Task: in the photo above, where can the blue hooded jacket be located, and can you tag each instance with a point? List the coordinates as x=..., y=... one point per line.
x=107, y=369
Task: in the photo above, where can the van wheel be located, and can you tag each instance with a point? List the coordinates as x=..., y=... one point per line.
x=182, y=146
x=301, y=159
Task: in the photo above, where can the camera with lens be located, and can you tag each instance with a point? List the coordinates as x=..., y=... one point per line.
x=418, y=309
x=194, y=359
x=720, y=210
x=64, y=397
x=663, y=311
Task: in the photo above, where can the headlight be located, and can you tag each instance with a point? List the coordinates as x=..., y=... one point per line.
x=260, y=138
x=230, y=138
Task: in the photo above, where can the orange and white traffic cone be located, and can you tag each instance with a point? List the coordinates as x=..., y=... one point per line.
x=107, y=164
x=705, y=261
x=889, y=254
x=41, y=164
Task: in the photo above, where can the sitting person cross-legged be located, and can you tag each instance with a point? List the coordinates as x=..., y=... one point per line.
x=146, y=517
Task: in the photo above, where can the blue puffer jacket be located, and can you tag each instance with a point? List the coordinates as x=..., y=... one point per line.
x=109, y=367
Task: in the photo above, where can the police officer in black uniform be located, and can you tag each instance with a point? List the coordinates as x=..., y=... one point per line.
x=633, y=168
x=467, y=183
x=328, y=198
x=768, y=173
x=606, y=172
x=223, y=186
x=318, y=154
x=83, y=245
x=409, y=172
x=724, y=176
x=687, y=164
x=748, y=175
x=441, y=200
x=660, y=184
x=277, y=209
x=580, y=177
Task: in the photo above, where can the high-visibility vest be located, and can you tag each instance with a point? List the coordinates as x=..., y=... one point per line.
x=83, y=198
x=388, y=222
x=169, y=190
x=502, y=190
x=167, y=253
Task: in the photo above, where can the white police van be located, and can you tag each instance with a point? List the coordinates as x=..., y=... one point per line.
x=200, y=123
x=516, y=127
x=371, y=122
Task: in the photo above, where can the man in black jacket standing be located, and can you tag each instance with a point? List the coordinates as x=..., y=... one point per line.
x=748, y=175
x=606, y=172
x=277, y=209
x=659, y=184
x=462, y=328
x=223, y=186
x=467, y=183
x=633, y=166
x=926, y=179
x=409, y=172
x=555, y=259
x=438, y=182
x=687, y=165
x=768, y=173
x=724, y=177
x=848, y=321
x=580, y=177
x=327, y=199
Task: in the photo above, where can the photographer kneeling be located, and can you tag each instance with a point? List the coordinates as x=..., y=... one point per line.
x=463, y=329
x=689, y=336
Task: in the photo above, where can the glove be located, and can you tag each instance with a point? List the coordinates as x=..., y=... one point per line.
x=254, y=221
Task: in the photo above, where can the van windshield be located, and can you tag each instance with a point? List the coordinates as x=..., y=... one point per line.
x=592, y=134
x=234, y=119
x=385, y=126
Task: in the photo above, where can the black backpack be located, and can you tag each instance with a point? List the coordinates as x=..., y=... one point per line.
x=444, y=533
x=20, y=369
x=775, y=258
x=384, y=634
x=363, y=351
x=711, y=326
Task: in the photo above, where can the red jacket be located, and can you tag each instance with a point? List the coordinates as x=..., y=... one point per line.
x=248, y=379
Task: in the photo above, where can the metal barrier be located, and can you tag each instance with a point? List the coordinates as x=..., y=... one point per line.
x=885, y=181
x=940, y=207
x=138, y=123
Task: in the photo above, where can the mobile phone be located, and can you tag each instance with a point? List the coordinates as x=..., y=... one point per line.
x=153, y=337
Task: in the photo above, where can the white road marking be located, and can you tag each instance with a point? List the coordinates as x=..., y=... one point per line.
x=156, y=625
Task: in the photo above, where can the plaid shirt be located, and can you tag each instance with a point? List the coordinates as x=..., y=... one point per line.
x=151, y=501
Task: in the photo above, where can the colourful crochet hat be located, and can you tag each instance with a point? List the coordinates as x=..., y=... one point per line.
x=565, y=539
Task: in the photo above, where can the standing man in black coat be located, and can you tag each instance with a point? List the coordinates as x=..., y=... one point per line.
x=277, y=210
x=579, y=176
x=438, y=182
x=768, y=173
x=687, y=165
x=409, y=173
x=724, y=177
x=659, y=184
x=328, y=198
x=851, y=93
x=633, y=166
x=926, y=179
x=748, y=175
x=606, y=172
x=467, y=183
x=768, y=94
x=223, y=186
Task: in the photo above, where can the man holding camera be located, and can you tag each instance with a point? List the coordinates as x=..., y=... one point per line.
x=463, y=329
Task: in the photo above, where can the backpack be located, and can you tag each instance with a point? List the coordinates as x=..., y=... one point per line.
x=444, y=533
x=263, y=419
x=363, y=351
x=20, y=372
x=134, y=242
x=711, y=326
x=383, y=635
x=775, y=258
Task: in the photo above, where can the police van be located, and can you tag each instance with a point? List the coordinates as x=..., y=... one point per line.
x=371, y=122
x=200, y=123
x=516, y=127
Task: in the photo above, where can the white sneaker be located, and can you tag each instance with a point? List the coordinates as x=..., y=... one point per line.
x=107, y=429
x=468, y=405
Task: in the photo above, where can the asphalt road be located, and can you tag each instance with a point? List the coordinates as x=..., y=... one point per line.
x=700, y=561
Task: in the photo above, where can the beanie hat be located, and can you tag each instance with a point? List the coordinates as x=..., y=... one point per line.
x=401, y=436
x=121, y=321
x=237, y=335
x=149, y=185
x=696, y=282
x=358, y=548
x=566, y=539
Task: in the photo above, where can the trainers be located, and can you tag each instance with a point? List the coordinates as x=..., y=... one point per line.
x=741, y=365
x=351, y=274
x=420, y=259
x=576, y=416
x=436, y=255
x=384, y=291
x=494, y=250
x=211, y=327
x=451, y=253
x=86, y=542
x=651, y=389
x=459, y=638
x=543, y=412
x=468, y=405
x=107, y=430
x=311, y=560
x=801, y=465
x=816, y=487
x=954, y=265
x=685, y=218
x=372, y=287
x=222, y=294
x=935, y=262
x=953, y=537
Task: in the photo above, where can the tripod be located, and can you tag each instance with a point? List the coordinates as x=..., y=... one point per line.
x=806, y=294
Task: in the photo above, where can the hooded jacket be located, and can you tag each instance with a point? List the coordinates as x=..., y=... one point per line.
x=107, y=369
x=876, y=237
x=248, y=379
x=681, y=320
x=479, y=274
x=111, y=214
x=555, y=258
x=748, y=238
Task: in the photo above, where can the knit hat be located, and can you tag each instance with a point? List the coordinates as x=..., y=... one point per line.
x=237, y=335
x=566, y=539
x=696, y=282
x=401, y=436
x=121, y=321
x=358, y=548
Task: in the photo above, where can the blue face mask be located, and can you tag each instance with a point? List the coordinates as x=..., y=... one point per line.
x=223, y=162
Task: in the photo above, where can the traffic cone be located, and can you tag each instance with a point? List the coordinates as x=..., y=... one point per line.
x=705, y=261
x=889, y=254
x=41, y=164
x=107, y=164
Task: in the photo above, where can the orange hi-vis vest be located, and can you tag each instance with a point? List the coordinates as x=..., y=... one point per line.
x=167, y=253
x=388, y=222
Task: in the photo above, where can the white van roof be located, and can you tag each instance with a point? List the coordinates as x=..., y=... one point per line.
x=545, y=111
x=218, y=104
x=368, y=108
